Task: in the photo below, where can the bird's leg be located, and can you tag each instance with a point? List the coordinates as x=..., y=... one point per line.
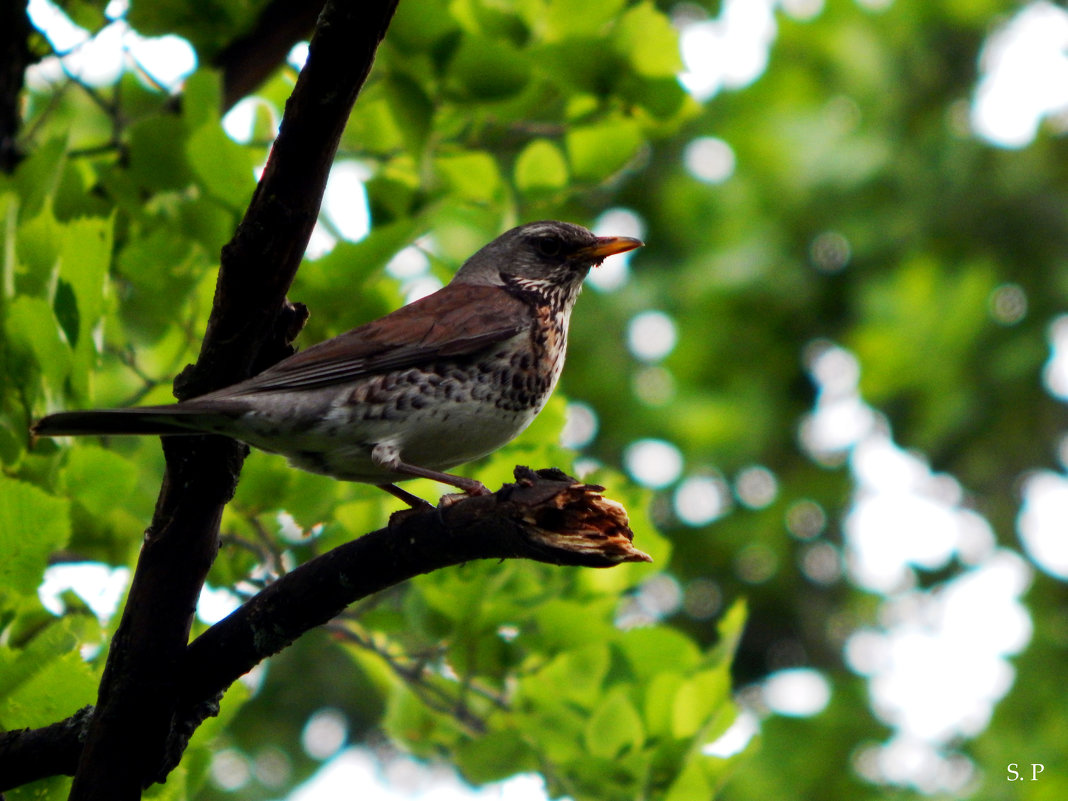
x=413, y=501
x=387, y=456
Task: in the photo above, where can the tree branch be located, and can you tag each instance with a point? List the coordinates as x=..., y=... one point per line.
x=27, y=755
x=545, y=516
x=249, y=59
x=15, y=55
x=250, y=327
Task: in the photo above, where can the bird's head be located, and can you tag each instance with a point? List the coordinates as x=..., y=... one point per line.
x=545, y=257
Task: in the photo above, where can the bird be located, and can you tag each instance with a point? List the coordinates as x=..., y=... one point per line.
x=442, y=381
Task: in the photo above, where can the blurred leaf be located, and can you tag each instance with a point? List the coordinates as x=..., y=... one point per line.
x=571, y=18
x=494, y=756
x=598, y=151
x=46, y=680
x=540, y=167
x=158, y=153
x=97, y=477
x=697, y=699
x=646, y=37
x=615, y=727
x=84, y=261
x=223, y=166
x=471, y=176
x=651, y=650
x=485, y=69
x=33, y=524
x=36, y=342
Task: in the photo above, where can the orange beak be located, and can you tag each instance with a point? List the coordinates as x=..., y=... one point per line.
x=608, y=246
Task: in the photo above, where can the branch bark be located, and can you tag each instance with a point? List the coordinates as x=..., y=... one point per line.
x=249, y=59
x=250, y=327
x=15, y=56
x=545, y=516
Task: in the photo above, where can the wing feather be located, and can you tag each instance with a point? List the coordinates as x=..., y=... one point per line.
x=457, y=320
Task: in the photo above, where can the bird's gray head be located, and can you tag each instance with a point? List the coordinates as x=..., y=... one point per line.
x=545, y=257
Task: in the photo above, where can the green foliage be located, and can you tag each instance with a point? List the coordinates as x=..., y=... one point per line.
x=46, y=679
x=32, y=525
x=480, y=114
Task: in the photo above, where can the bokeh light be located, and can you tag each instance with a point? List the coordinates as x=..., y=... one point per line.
x=821, y=563
x=1024, y=68
x=756, y=487
x=325, y=733
x=1008, y=304
x=701, y=499
x=653, y=463
x=653, y=385
x=798, y=692
x=651, y=335
x=100, y=586
x=830, y=252
x=1041, y=522
x=730, y=51
x=580, y=425
x=230, y=769
x=702, y=599
x=709, y=159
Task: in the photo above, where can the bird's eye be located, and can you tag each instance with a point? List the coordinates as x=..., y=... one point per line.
x=549, y=246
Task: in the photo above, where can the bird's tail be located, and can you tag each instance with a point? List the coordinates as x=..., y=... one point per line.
x=150, y=420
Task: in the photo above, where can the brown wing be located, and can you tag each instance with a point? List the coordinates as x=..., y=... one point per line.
x=457, y=320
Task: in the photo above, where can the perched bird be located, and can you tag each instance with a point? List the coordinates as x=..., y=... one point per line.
x=439, y=382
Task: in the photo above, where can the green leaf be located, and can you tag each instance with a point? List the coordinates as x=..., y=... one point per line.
x=410, y=720
x=411, y=109
x=573, y=676
x=615, y=726
x=488, y=69
x=562, y=624
x=85, y=14
x=730, y=629
x=698, y=699
x=598, y=151
x=540, y=167
x=693, y=782
x=45, y=681
x=222, y=166
x=421, y=27
x=659, y=701
x=65, y=306
x=494, y=756
x=202, y=98
x=651, y=650
x=97, y=477
x=158, y=270
x=37, y=176
x=83, y=266
x=158, y=157
x=9, y=213
x=646, y=37
x=33, y=524
x=36, y=342
x=37, y=250
x=565, y=19
x=471, y=176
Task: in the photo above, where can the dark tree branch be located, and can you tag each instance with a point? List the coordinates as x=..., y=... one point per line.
x=545, y=516
x=15, y=56
x=248, y=60
x=259, y=263
x=250, y=327
x=30, y=754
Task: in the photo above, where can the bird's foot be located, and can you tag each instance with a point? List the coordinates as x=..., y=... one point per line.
x=414, y=501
